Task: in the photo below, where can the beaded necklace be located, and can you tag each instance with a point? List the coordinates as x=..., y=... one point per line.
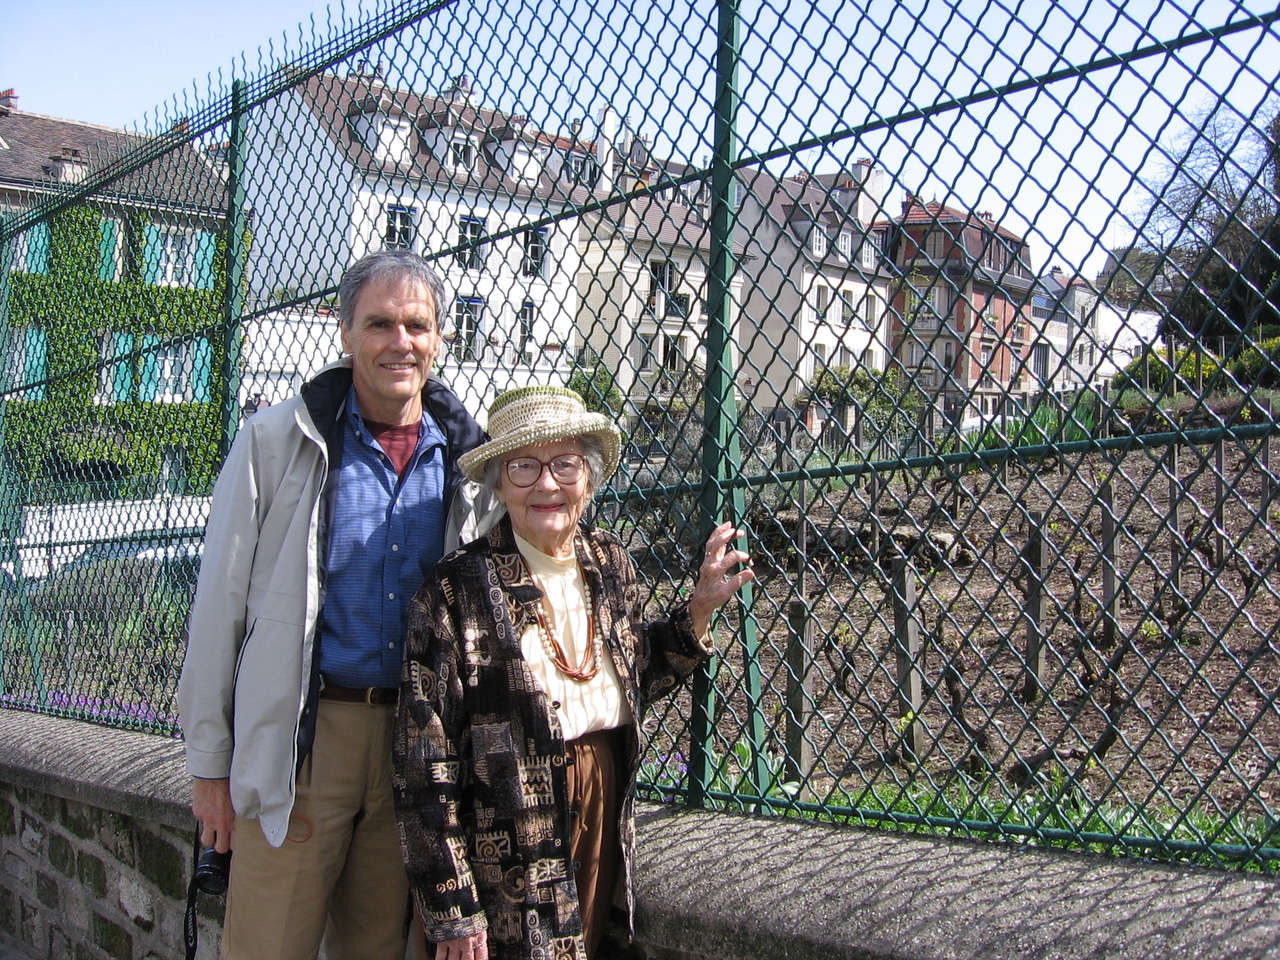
x=593, y=656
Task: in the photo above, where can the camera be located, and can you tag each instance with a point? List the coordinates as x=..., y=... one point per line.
x=212, y=871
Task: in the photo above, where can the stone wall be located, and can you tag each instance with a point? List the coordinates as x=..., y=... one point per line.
x=97, y=842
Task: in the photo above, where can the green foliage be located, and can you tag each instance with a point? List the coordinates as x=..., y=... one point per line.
x=887, y=399
x=67, y=435
x=1151, y=370
x=1258, y=365
x=598, y=387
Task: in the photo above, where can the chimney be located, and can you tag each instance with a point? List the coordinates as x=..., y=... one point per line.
x=8, y=102
x=606, y=132
x=68, y=166
x=459, y=92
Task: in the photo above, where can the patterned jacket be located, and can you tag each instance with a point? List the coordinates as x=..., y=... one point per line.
x=479, y=755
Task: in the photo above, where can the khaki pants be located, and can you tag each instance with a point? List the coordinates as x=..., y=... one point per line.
x=340, y=866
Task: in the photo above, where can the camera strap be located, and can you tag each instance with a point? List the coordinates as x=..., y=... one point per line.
x=190, y=935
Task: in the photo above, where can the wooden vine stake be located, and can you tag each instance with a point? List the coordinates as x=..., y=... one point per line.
x=1033, y=562
x=910, y=676
x=1110, y=593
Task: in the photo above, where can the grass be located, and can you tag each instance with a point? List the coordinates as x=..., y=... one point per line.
x=1056, y=813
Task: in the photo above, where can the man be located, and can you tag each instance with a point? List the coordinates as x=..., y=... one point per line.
x=329, y=513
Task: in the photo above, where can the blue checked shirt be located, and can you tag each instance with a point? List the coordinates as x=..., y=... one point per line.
x=385, y=537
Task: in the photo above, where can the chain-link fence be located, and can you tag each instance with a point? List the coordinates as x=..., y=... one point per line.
x=967, y=313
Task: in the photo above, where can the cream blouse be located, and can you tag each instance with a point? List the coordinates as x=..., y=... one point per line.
x=597, y=704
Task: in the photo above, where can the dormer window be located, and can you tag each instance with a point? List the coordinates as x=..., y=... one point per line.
x=844, y=244
x=581, y=169
x=462, y=152
x=394, y=142
x=818, y=242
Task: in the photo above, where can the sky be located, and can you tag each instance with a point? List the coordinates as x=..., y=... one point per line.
x=1067, y=166
x=114, y=62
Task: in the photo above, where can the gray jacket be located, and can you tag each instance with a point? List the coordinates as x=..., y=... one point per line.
x=247, y=693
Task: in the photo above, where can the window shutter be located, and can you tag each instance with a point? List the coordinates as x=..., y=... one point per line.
x=206, y=244
x=39, y=244
x=36, y=347
x=150, y=379
x=151, y=254
x=122, y=368
x=201, y=370
x=107, y=250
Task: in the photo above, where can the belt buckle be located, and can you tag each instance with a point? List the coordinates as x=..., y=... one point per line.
x=368, y=696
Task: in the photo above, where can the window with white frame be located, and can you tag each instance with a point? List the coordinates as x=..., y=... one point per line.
x=868, y=251
x=821, y=302
x=819, y=356
x=988, y=356
x=848, y=312
x=581, y=169
x=462, y=152
x=662, y=283
x=394, y=141
x=673, y=354
x=177, y=257
x=18, y=252
x=172, y=373
x=468, y=325
x=935, y=244
x=844, y=244
x=927, y=306
x=917, y=354
x=870, y=310
x=115, y=368
x=400, y=229
x=643, y=351
x=818, y=241
x=526, y=321
x=471, y=230
x=534, y=261
x=30, y=250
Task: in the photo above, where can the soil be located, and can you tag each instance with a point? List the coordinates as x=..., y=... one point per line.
x=1157, y=686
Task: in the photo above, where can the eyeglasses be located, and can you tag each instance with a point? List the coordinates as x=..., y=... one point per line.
x=526, y=471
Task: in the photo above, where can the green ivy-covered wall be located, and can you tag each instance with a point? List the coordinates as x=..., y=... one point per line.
x=92, y=277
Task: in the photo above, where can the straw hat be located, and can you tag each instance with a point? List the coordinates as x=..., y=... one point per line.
x=532, y=415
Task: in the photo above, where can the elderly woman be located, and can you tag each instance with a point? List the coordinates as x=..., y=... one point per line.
x=528, y=662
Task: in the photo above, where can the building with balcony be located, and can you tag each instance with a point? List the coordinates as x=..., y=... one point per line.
x=814, y=284
x=962, y=323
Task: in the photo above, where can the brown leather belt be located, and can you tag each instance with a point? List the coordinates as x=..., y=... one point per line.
x=374, y=696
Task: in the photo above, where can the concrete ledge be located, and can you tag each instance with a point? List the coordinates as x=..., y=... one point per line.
x=728, y=886
x=136, y=774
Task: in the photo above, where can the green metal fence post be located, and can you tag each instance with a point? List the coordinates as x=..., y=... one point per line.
x=721, y=459
x=237, y=252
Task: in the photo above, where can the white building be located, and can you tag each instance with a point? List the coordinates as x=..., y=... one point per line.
x=341, y=166
x=816, y=292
